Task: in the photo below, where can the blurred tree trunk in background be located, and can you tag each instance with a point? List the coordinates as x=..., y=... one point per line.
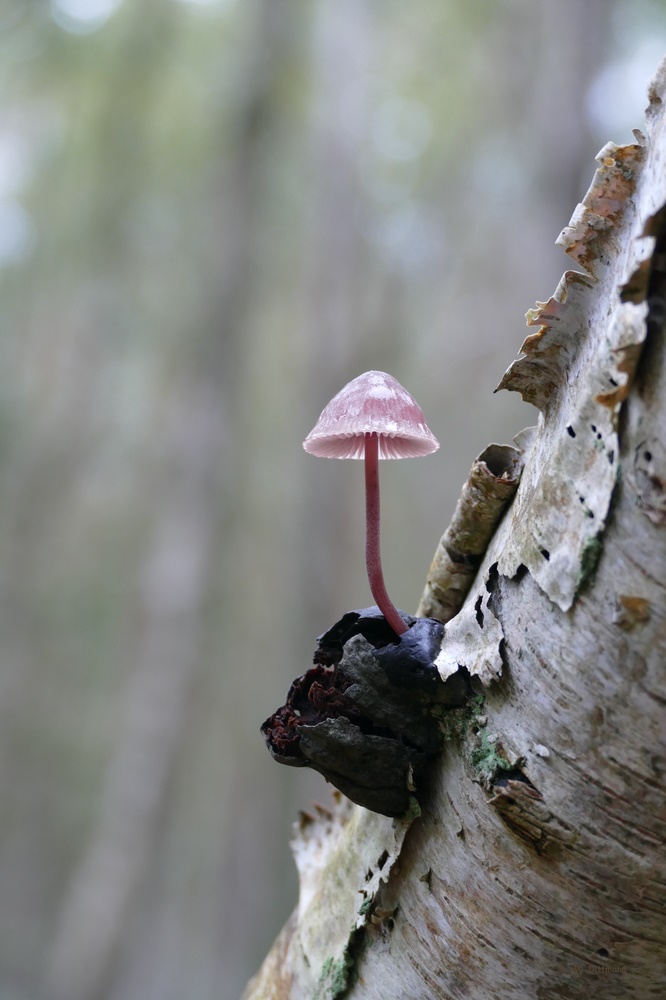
x=205, y=403
x=334, y=298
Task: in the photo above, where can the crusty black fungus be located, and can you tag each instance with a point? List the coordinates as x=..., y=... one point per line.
x=363, y=715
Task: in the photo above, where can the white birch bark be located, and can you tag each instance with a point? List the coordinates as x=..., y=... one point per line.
x=536, y=868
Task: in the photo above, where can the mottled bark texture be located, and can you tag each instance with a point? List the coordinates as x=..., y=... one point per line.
x=536, y=868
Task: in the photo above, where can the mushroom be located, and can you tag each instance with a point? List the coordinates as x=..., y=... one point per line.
x=373, y=417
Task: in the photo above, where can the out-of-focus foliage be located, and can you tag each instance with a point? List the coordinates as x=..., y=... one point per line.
x=212, y=215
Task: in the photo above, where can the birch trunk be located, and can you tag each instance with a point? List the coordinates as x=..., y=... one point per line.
x=536, y=867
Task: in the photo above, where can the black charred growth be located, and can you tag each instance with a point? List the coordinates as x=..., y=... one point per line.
x=363, y=715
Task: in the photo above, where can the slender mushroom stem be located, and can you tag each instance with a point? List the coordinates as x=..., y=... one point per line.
x=373, y=559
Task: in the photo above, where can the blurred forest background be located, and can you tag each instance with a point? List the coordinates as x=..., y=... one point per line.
x=212, y=215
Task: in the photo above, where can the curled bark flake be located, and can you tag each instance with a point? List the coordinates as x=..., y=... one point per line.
x=625, y=360
x=522, y=808
x=635, y=287
x=500, y=771
x=549, y=354
x=473, y=640
x=490, y=487
x=649, y=479
x=588, y=239
x=631, y=611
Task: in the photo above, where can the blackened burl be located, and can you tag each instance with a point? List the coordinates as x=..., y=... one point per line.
x=363, y=716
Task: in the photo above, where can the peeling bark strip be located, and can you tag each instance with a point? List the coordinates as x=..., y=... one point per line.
x=577, y=369
x=521, y=807
x=537, y=867
x=474, y=638
x=490, y=487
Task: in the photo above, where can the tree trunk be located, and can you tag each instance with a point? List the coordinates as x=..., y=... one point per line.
x=536, y=866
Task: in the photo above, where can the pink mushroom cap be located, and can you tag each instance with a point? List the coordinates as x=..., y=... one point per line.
x=372, y=403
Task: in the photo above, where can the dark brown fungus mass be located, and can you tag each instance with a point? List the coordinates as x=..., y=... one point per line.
x=362, y=716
